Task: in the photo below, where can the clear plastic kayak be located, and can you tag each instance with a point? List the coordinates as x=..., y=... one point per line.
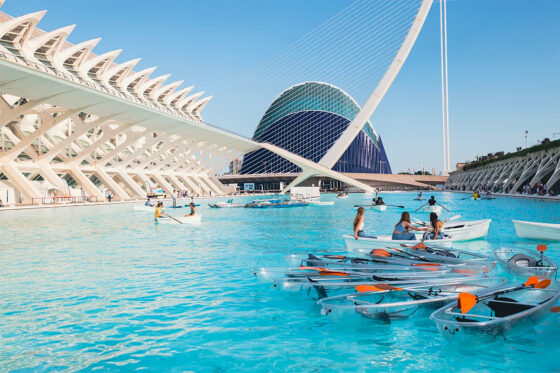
x=449, y=257
x=274, y=274
x=497, y=314
x=526, y=262
x=372, y=302
x=453, y=256
x=318, y=289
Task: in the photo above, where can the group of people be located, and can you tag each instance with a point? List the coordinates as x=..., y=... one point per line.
x=160, y=213
x=403, y=229
x=377, y=201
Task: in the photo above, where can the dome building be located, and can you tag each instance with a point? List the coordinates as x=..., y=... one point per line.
x=307, y=119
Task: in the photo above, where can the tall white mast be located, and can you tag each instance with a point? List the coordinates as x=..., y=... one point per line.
x=443, y=136
x=444, y=86
x=446, y=83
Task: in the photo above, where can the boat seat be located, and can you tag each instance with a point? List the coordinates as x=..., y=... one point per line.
x=522, y=260
x=504, y=307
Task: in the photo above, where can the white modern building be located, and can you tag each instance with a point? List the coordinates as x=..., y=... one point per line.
x=76, y=123
x=512, y=175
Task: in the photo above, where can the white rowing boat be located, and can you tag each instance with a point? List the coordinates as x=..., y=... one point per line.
x=464, y=230
x=226, y=205
x=435, y=208
x=144, y=208
x=321, y=203
x=535, y=230
x=355, y=245
x=182, y=219
x=379, y=207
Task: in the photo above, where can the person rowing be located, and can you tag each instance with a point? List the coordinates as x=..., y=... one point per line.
x=359, y=225
x=403, y=228
x=148, y=203
x=420, y=195
x=432, y=201
x=159, y=211
x=437, y=227
x=378, y=202
x=193, y=210
x=476, y=195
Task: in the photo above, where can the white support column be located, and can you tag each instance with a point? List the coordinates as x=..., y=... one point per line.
x=129, y=181
x=85, y=183
x=190, y=182
x=20, y=182
x=215, y=189
x=163, y=183
x=176, y=182
x=110, y=183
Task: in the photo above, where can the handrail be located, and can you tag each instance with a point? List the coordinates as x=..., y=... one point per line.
x=56, y=200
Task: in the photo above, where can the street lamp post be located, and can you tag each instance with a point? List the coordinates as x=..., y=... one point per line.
x=526, y=132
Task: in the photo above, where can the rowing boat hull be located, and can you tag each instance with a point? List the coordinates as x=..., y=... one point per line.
x=321, y=203
x=436, y=209
x=183, y=219
x=465, y=231
x=379, y=207
x=144, y=208
x=225, y=205
x=354, y=245
x=537, y=231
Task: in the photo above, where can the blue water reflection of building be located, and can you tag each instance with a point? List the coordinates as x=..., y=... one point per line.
x=307, y=119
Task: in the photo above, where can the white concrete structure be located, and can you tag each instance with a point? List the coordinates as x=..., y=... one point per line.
x=511, y=175
x=78, y=123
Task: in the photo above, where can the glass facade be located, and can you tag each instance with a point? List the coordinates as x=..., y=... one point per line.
x=306, y=120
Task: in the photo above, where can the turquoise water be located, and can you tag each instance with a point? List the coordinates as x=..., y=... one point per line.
x=105, y=288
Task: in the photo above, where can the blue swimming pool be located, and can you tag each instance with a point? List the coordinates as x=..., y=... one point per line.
x=105, y=288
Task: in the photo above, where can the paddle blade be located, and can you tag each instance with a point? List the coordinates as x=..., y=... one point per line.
x=367, y=288
x=427, y=266
x=387, y=287
x=543, y=284
x=380, y=252
x=333, y=273
x=532, y=281
x=555, y=309
x=542, y=248
x=466, y=301
x=419, y=246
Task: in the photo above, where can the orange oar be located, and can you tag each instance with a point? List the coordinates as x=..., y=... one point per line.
x=376, y=287
x=320, y=269
x=542, y=248
x=543, y=284
x=555, y=309
x=380, y=252
x=466, y=301
x=531, y=281
x=333, y=273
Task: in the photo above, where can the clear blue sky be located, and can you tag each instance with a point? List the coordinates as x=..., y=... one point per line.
x=504, y=59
